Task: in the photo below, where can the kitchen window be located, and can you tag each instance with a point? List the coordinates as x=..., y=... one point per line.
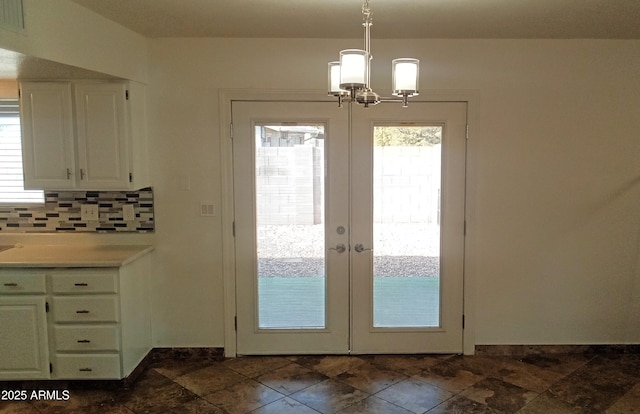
x=11, y=176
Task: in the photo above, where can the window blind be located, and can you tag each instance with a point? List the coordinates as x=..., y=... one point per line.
x=11, y=178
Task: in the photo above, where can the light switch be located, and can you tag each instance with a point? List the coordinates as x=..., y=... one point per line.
x=185, y=182
x=207, y=209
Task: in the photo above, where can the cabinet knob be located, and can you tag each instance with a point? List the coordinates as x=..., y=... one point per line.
x=82, y=311
x=84, y=341
x=68, y=173
x=85, y=370
x=11, y=284
x=81, y=284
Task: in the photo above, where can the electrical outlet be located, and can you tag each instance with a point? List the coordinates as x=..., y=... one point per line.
x=89, y=212
x=128, y=212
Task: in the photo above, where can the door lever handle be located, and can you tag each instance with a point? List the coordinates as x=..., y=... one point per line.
x=360, y=248
x=340, y=248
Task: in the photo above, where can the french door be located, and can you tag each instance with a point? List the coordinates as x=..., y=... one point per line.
x=349, y=227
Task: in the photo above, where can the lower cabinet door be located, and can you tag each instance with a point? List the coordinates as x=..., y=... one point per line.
x=23, y=338
x=91, y=366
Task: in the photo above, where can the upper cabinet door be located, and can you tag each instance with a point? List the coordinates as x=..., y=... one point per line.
x=47, y=135
x=102, y=135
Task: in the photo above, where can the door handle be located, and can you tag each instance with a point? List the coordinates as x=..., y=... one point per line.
x=360, y=248
x=340, y=248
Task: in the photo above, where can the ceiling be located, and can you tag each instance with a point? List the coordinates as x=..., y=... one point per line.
x=392, y=19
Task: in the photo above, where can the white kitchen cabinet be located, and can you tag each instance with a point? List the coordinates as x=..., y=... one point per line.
x=23, y=326
x=100, y=319
x=84, y=135
x=48, y=144
x=74, y=323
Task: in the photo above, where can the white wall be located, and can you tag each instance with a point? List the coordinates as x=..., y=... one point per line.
x=553, y=173
x=64, y=32
x=553, y=190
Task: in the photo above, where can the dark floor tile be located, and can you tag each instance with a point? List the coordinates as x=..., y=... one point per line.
x=16, y=407
x=82, y=401
x=462, y=405
x=208, y=380
x=285, y=406
x=373, y=405
x=255, y=366
x=600, y=383
x=291, y=378
x=329, y=396
x=414, y=395
x=547, y=404
x=197, y=405
x=479, y=365
x=331, y=365
x=626, y=365
x=499, y=395
x=628, y=403
x=527, y=376
x=450, y=377
x=561, y=363
x=153, y=392
x=172, y=368
x=534, y=383
x=408, y=364
x=243, y=397
x=370, y=378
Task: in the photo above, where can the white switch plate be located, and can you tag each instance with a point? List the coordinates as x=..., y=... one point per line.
x=89, y=212
x=185, y=182
x=128, y=212
x=207, y=209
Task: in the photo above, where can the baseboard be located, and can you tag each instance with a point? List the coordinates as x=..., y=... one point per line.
x=525, y=350
x=158, y=354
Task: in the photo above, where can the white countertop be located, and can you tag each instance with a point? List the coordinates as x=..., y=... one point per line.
x=71, y=255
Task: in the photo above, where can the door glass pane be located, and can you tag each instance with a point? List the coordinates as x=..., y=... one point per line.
x=406, y=228
x=290, y=225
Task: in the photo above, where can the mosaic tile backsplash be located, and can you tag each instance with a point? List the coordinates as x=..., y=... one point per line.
x=61, y=213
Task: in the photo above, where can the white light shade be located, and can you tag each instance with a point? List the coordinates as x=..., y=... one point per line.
x=353, y=68
x=405, y=76
x=334, y=79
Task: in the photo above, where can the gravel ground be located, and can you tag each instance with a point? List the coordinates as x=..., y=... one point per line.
x=384, y=266
x=401, y=250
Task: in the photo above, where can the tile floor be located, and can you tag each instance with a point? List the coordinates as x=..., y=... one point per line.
x=571, y=383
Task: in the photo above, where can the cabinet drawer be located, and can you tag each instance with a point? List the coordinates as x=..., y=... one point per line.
x=86, y=338
x=16, y=281
x=85, y=309
x=94, y=366
x=85, y=281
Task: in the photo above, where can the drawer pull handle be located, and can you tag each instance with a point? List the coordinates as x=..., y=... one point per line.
x=85, y=370
x=84, y=341
x=11, y=284
x=81, y=284
x=82, y=311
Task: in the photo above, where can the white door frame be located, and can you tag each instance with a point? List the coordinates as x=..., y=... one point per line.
x=471, y=97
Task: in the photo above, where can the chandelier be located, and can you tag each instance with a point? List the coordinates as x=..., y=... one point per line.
x=350, y=81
